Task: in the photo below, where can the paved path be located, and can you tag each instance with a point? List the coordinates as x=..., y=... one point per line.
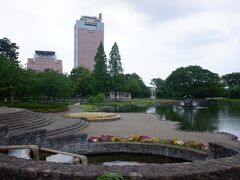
x=61, y=122
x=4, y=110
x=150, y=124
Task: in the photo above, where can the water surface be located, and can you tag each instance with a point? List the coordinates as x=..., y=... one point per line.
x=131, y=159
x=212, y=118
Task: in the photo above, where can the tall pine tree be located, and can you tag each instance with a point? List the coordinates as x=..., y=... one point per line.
x=100, y=74
x=115, y=69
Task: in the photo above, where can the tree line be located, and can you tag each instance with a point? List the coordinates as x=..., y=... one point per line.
x=16, y=81
x=196, y=82
x=107, y=76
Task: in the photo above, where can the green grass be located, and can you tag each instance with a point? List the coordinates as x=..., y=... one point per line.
x=40, y=107
x=110, y=176
x=139, y=102
x=134, y=102
x=90, y=107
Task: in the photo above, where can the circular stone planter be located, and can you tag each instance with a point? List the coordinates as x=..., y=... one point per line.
x=226, y=166
x=146, y=148
x=94, y=116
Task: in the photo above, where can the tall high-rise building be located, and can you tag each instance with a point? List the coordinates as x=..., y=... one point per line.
x=88, y=33
x=44, y=60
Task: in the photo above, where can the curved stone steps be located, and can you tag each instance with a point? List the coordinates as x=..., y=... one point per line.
x=25, y=119
x=19, y=121
x=28, y=129
x=21, y=116
x=73, y=129
x=20, y=113
x=35, y=123
x=22, y=120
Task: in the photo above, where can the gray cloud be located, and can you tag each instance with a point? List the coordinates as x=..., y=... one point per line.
x=154, y=36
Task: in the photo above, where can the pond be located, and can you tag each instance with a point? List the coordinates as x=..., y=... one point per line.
x=213, y=118
x=131, y=159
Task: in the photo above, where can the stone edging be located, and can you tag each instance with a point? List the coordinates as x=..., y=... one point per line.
x=117, y=117
x=225, y=168
x=146, y=148
x=102, y=119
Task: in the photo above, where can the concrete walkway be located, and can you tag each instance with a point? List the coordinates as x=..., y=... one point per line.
x=62, y=122
x=150, y=124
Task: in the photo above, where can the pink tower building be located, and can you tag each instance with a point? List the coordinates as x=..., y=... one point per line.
x=88, y=33
x=43, y=60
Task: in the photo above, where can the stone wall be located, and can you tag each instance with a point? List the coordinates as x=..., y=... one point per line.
x=16, y=168
x=145, y=148
x=78, y=144
x=221, y=150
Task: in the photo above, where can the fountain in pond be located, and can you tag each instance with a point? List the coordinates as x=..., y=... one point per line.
x=188, y=102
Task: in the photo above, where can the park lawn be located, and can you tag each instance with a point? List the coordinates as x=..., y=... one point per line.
x=135, y=102
x=40, y=107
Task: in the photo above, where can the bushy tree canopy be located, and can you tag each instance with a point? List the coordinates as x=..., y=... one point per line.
x=231, y=80
x=9, y=49
x=136, y=86
x=160, y=85
x=81, y=78
x=54, y=84
x=194, y=81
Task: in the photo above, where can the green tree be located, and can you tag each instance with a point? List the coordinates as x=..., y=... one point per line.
x=115, y=69
x=30, y=84
x=53, y=84
x=100, y=74
x=135, y=85
x=10, y=77
x=234, y=92
x=9, y=49
x=193, y=81
x=160, y=87
x=81, y=78
x=231, y=80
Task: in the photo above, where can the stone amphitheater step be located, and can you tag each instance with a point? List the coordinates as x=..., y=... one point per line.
x=30, y=129
x=27, y=118
x=43, y=121
x=69, y=130
x=18, y=117
x=16, y=131
x=22, y=121
x=20, y=112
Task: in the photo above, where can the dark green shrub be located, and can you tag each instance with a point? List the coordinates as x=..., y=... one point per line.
x=91, y=100
x=100, y=98
x=41, y=107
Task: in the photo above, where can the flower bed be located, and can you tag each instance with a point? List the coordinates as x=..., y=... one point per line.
x=148, y=139
x=93, y=116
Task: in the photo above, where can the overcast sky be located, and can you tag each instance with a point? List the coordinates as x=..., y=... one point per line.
x=154, y=36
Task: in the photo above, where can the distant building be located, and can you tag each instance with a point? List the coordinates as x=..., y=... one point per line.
x=43, y=60
x=88, y=33
x=120, y=95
